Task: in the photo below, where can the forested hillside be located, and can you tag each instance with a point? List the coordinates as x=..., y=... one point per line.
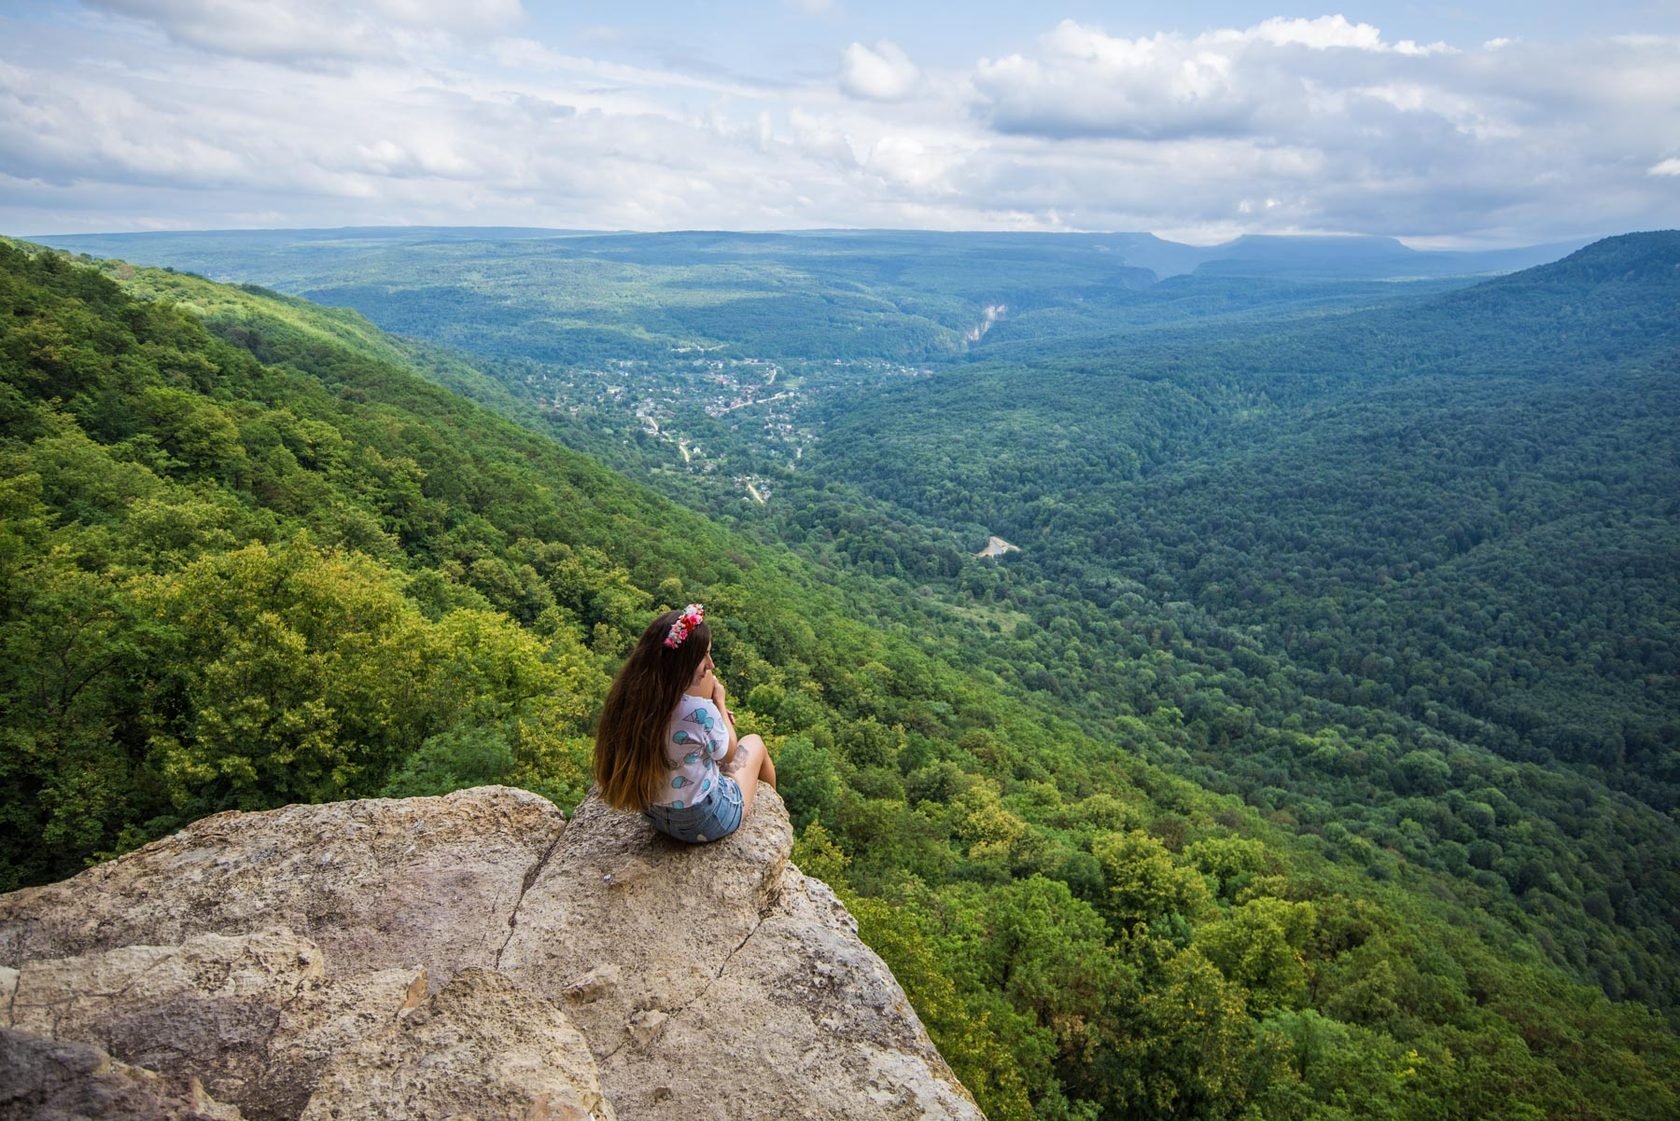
x=1480, y=453
x=1133, y=848
x=603, y=300
x=1451, y=527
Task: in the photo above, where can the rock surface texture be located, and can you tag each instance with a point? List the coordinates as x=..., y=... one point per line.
x=474, y=955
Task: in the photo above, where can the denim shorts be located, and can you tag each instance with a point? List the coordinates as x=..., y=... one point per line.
x=713, y=818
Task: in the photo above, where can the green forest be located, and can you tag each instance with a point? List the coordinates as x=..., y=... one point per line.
x=1316, y=756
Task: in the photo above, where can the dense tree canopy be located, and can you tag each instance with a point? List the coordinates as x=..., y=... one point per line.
x=1140, y=838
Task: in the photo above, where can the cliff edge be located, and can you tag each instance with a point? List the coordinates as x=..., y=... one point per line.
x=475, y=954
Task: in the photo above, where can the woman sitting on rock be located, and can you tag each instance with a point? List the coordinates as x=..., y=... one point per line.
x=666, y=742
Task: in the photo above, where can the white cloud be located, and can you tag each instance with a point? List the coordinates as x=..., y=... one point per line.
x=1082, y=81
x=1404, y=139
x=529, y=54
x=313, y=31
x=880, y=73
x=1316, y=125
x=1319, y=34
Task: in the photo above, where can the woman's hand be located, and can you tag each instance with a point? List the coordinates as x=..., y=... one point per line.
x=720, y=697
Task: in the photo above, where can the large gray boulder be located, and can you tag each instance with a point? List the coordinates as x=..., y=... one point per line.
x=471, y=955
x=378, y=883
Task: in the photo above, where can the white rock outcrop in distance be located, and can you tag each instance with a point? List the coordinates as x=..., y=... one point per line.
x=470, y=955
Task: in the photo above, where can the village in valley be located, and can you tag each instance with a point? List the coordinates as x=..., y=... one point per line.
x=684, y=403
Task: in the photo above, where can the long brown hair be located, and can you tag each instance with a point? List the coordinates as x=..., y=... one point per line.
x=630, y=738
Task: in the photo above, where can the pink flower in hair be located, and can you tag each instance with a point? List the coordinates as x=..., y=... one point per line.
x=693, y=615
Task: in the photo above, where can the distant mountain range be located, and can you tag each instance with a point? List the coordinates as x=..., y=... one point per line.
x=1252, y=255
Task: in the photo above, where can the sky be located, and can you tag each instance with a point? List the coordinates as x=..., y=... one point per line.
x=1477, y=123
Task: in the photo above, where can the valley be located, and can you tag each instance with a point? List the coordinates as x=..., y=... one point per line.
x=1330, y=688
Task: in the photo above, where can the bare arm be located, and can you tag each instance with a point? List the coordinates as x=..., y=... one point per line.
x=720, y=697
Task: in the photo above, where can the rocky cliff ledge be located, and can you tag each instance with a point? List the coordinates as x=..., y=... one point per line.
x=474, y=955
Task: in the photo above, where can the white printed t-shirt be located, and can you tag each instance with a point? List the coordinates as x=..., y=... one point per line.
x=696, y=738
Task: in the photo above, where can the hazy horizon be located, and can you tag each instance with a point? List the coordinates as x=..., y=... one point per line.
x=577, y=231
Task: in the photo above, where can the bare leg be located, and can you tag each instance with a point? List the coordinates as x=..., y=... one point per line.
x=750, y=766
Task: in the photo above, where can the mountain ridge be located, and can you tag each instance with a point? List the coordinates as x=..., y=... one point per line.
x=1301, y=256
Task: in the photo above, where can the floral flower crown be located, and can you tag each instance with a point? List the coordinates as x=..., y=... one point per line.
x=693, y=615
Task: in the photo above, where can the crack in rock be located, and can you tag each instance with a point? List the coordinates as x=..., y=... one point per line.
x=146, y=971
x=524, y=888
x=723, y=967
